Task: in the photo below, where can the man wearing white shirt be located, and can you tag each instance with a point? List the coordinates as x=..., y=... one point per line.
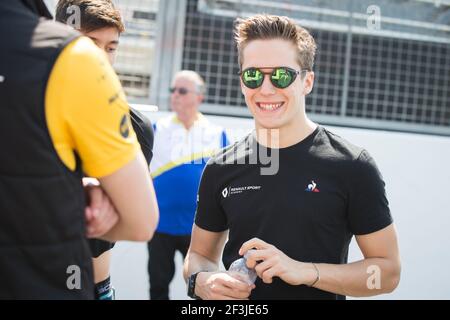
x=184, y=141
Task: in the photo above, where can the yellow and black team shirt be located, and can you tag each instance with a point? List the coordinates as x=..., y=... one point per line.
x=87, y=113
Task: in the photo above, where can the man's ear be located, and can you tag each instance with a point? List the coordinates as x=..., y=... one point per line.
x=309, y=83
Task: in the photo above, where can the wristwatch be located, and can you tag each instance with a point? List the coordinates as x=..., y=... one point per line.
x=191, y=286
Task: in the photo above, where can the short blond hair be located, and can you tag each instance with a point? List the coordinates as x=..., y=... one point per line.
x=267, y=27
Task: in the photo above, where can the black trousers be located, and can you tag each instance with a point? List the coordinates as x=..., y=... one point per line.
x=161, y=264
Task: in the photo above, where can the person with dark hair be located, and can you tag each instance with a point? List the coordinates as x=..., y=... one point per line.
x=55, y=87
x=292, y=222
x=102, y=22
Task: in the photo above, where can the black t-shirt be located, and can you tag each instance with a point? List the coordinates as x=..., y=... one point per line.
x=144, y=133
x=325, y=191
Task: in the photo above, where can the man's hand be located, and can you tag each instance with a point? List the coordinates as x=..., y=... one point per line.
x=221, y=286
x=100, y=213
x=269, y=262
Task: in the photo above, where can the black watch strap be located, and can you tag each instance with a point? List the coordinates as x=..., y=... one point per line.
x=191, y=286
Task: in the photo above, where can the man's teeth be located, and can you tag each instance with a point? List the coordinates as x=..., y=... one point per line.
x=270, y=106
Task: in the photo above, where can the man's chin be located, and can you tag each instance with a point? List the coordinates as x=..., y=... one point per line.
x=268, y=124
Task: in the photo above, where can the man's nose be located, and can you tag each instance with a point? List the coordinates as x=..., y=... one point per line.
x=267, y=87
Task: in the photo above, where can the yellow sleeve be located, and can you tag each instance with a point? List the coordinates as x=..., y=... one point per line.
x=87, y=112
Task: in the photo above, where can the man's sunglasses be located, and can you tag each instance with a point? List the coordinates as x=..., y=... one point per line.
x=281, y=77
x=180, y=90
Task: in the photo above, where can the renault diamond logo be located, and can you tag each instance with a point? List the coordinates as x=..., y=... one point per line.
x=225, y=192
x=124, y=128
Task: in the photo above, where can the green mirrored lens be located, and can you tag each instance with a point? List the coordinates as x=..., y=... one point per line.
x=282, y=78
x=252, y=78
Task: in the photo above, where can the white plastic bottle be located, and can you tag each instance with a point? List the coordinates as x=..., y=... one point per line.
x=240, y=270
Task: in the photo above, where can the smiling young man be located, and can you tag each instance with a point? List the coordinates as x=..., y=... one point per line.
x=101, y=22
x=295, y=225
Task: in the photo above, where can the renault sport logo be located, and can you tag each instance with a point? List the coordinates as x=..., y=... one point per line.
x=229, y=191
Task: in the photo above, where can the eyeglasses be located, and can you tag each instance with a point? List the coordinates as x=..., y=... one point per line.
x=281, y=77
x=181, y=90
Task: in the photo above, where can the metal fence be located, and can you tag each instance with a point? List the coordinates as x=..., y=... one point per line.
x=395, y=76
x=381, y=64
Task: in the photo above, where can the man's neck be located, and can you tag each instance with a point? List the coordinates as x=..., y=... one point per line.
x=292, y=133
x=188, y=122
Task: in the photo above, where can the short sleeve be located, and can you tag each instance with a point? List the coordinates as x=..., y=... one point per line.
x=98, y=247
x=368, y=208
x=144, y=132
x=209, y=214
x=87, y=112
